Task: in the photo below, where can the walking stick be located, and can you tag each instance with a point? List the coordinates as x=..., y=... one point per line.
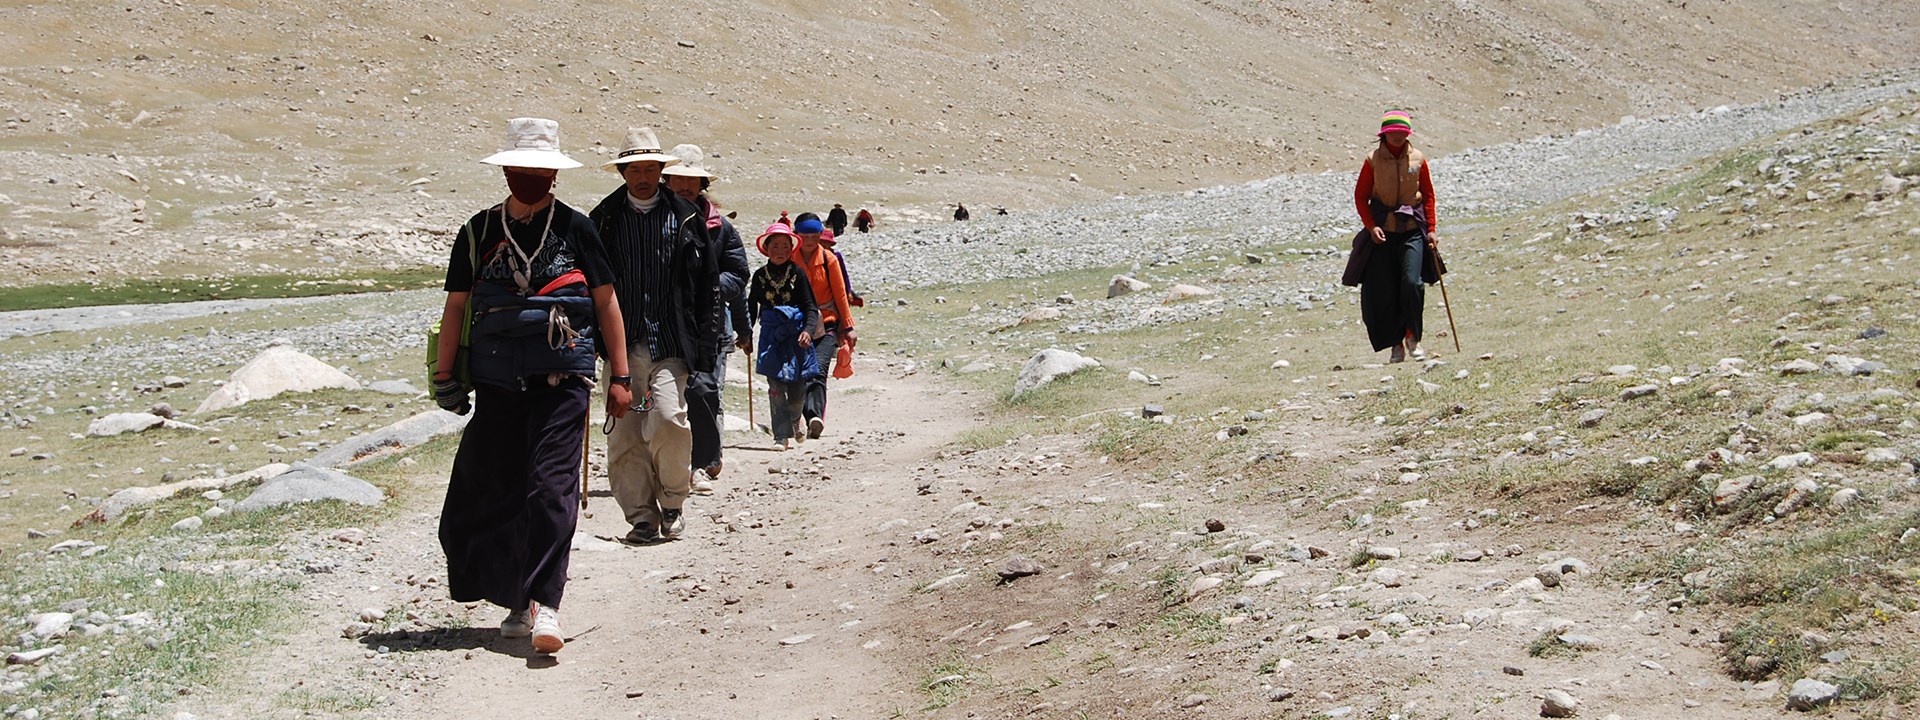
x=1454, y=331
x=751, y=427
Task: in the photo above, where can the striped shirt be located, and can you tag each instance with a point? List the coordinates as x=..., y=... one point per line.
x=643, y=277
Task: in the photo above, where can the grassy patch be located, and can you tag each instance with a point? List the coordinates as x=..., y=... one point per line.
x=244, y=287
x=1548, y=646
x=950, y=681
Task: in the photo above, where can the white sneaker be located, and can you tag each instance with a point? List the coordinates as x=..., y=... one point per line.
x=702, y=487
x=517, y=625
x=815, y=426
x=546, y=630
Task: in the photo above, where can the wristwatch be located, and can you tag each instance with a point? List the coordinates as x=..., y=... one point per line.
x=626, y=380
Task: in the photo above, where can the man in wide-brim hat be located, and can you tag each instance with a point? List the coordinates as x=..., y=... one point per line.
x=533, y=270
x=690, y=179
x=666, y=275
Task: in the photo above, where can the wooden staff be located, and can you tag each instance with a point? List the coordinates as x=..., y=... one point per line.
x=1454, y=331
x=751, y=427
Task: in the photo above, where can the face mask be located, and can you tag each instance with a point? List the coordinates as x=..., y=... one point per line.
x=529, y=188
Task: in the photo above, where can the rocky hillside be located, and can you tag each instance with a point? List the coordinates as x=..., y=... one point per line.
x=268, y=138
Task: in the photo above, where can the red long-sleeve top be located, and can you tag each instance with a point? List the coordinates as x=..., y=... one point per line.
x=1363, y=190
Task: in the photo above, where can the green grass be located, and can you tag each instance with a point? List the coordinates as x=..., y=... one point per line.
x=243, y=287
x=950, y=681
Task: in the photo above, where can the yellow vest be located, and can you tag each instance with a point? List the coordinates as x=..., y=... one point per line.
x=1396, y=182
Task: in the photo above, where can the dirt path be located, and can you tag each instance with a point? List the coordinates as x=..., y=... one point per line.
x=768, y=604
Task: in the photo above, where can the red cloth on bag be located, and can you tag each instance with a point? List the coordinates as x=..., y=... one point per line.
x=843, y=362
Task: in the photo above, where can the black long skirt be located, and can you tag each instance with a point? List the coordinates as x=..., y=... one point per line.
x=1391, y=293
x=514, y=498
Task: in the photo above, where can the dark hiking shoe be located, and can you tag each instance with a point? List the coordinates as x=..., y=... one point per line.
x=672, y=523
x=815, y=426
x=642, y=534
x=518, y=624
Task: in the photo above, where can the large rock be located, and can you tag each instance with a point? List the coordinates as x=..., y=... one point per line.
x=306, y=483
x=401, y=435
x=127, y=500
x=1123, y=285
x=1047, y=365
x=118, y=423
x=278, y=369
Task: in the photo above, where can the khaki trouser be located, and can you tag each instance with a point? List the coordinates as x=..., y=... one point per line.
x=650, y=454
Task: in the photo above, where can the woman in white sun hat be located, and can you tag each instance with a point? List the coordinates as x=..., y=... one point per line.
x=533, y=276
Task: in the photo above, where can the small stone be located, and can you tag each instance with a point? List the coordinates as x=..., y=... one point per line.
x=188, y=524
x=1195, y=700
x=1214, y=526
x=1797, y=367
x=1580, y=642
x=1592, y=418
x=1845, y=498
x=1388, y=577
x=1514, y=671
x=1382, y=552
x=1808, y=693
x=1279, y=694
x=1017, y=567
x=1559, y=704
x=1470, y=555
x=31, y=657
x=1639, y=391
x=1729, y=492
x=795, y=640
x=48, y=626
x=1355, y=631
x=1797, y=497
x=173, y=381
x=1152, y=411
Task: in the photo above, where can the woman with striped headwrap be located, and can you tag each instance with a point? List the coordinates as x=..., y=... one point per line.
x=1395, y=198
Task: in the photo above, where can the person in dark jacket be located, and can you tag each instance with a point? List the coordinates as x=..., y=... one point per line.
x=863, y=221
x=527, y=267
x=1394, y=196
x=837, y=219
x=690, y=179
x=960, y=213
x=666, y=276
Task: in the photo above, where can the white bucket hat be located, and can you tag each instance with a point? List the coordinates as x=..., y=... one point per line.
x=640, y=146
x=532, y=143
x=691, y=157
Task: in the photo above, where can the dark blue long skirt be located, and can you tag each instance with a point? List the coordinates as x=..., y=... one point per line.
x=514, y=498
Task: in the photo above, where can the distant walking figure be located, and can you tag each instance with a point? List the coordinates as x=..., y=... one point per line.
x=837, y=219
x=863, y=221
x=1394, y=196
x=960, y=212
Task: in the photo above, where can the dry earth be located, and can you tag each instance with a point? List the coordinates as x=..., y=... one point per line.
x=174, y=138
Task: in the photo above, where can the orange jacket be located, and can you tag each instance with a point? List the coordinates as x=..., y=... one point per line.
x=829, y=285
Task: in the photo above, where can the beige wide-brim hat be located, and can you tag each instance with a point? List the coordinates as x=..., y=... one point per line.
x=640, y=146
x=691, y=157
x=532, y=143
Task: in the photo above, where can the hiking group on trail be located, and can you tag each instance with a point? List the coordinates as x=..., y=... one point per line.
x=655, y=282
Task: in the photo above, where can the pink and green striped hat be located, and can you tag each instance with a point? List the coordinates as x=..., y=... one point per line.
x=1396, y=121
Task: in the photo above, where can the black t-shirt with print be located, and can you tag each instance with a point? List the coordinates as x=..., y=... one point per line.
x=572, y=244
